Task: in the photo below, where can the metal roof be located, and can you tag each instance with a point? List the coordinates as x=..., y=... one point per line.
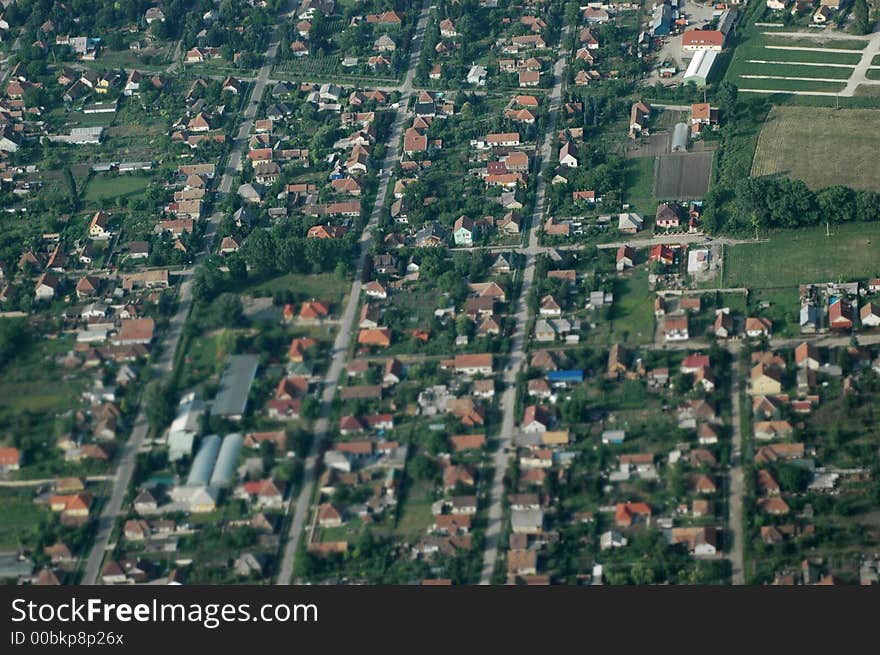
x=203, y=462
x=226, y=460
x=235, y=385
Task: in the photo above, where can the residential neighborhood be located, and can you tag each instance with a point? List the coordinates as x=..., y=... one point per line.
x=477, y=292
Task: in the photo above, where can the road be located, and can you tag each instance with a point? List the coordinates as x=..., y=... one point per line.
x=299, y=503
x=168, y=342
x=735, y=478
x=518, y=340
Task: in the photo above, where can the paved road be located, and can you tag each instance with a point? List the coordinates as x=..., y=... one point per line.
x=518, y=340
x=299, y=504
x=167, y=344
x=735, y=477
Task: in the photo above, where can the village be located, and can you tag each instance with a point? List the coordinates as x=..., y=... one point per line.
x=433, y=293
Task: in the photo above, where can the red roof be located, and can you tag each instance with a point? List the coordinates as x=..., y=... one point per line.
x=9, y=456
x=708, y=38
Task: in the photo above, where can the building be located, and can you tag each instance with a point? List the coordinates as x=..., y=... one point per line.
x=697, y=40
x=700, y=67
x=235, y=385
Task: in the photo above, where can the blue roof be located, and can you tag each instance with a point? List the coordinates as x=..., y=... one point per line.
x=573, y=375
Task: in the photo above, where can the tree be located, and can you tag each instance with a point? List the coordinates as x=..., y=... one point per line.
x=861, y=20
x=727, y=94
x=159, y=405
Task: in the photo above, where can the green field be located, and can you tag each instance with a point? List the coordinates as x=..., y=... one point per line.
x=762, y=54
x=795, y=70
x=639, y=184
x=105, y=187
x=20, y=517
x=873, y=74
x=327, y=286
x=806, y=255
x=842, y=152
x=782, y=86
x=632, y=314
x=415, y=516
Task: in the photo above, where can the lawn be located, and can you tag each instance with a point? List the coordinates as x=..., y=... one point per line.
x=790, y=257
x=105, y=187
x=327, y=286
x=632, y=315
x=639, y=184
x=415, y=516
x=843, y=152
x=799, y=70
x=20, y=516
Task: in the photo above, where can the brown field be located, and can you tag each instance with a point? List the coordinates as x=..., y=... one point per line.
x=683, y=176
x=821, y=146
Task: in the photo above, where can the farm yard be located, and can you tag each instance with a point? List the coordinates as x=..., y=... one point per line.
x=842, y=152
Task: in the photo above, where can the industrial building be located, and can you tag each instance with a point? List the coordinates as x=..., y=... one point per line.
x=185, y=427
x=235, y=385
x=662, y=24
x=700, y=68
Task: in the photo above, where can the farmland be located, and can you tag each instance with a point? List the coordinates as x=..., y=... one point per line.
x=684, y=176
x=852, y=252
x=841, y=153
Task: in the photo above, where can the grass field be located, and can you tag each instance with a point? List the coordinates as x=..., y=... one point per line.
x=765, y=54
x=632, y=317
x=415, y=516
x=20, y=517
x=103, y=187
x=842, y=152
x=782, y=86
x=806, y=255
x=639, y=181
x=327, y=286
x=873, y=74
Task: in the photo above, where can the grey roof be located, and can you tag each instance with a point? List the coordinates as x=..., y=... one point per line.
x=235, y=385
x=11, y=566
x=226, y=460
x=680, y=137
x=203, y=462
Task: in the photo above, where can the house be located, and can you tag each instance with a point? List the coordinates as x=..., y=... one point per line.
x=675, y=328
x=703, y=114
x=568, y=155
x=629, y=223
x=46, y=286
x=379, y=337
x=870, y=315
x=700, y=541
x=535, y=419
x=823, y=15
x=98, y=226
x=723, y=325
x=10, y=459
x=329, y=516
x=639, y=114
x=758, y=327
x=769, y=430
x=549, y=307
x=765, y=380
x=807, y=355
x=375, y=289
x=667, y=216
x=463, y=231
x=478, y=364
x=625, y=257
x=629, y=514
x=447, y=29
x=840, y=315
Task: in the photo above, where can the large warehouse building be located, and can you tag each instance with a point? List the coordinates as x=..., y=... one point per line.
x=700, y=67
